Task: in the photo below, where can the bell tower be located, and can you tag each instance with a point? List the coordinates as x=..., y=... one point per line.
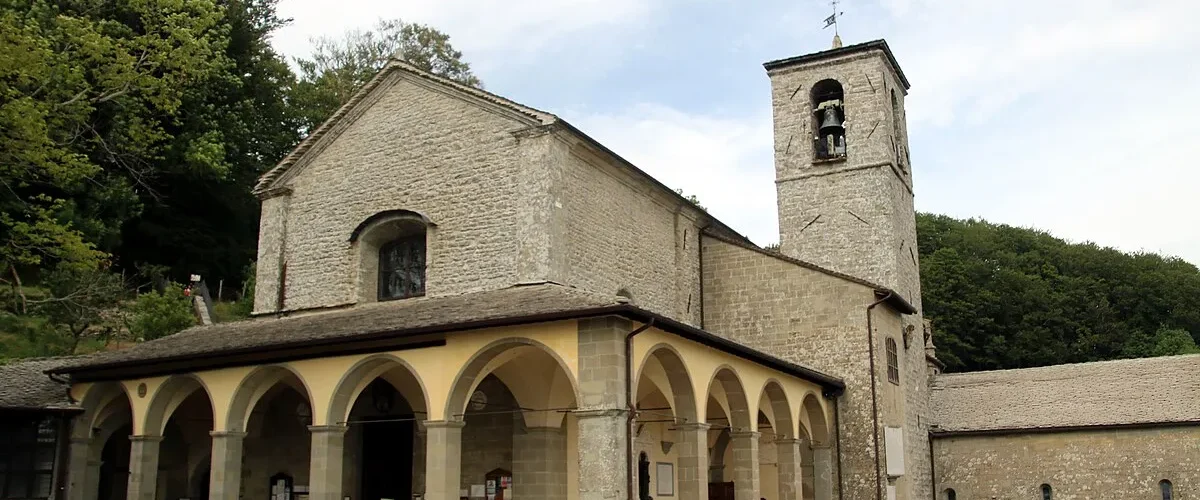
x=842, y=172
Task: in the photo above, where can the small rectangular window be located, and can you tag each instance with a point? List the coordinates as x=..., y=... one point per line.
x=893, y=362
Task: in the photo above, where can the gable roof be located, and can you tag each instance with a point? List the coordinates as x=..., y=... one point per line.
x=267, y=183
x=27, y=386
x=1127, y=392
x=267, y=180
x=402, y=324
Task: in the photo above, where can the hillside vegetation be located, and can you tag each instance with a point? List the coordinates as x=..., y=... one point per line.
x=1008, y=297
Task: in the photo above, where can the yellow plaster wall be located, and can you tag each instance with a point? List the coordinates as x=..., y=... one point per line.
x=702, y=363
x=436, y=368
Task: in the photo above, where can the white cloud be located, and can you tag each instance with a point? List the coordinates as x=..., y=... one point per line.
x=491, y=32
x=725, y=161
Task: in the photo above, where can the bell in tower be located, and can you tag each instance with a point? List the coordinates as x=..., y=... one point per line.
x=831, y=120
x=831, y=134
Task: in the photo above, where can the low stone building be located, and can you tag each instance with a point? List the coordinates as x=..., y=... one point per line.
x=460, y=296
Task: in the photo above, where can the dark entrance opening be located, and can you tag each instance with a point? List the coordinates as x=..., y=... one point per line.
x=114, y=465
x=387, y=445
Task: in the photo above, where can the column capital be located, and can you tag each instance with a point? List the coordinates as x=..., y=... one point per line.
x=227, y=434
x=789, y=441
x=693, y=426
x=819, y=446
x=146, y=439
x=444, y=424
x=327, y=429
x=601, y=412
x=744, y=434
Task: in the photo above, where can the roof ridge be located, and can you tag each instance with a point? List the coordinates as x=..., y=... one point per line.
x=268, y=179
x=1063, y=366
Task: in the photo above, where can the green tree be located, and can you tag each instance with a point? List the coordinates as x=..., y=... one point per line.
x=78, y=301
x=87, y=92
x=1008, y=297
x=158, y=314
x=338, y=67
x=200, y=217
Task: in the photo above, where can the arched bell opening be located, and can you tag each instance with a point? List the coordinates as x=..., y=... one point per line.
x=829, y=113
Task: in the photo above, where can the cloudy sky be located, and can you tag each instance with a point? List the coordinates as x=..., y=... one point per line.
x=1080, y=117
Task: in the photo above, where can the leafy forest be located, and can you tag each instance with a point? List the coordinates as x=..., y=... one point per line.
x=132, y=131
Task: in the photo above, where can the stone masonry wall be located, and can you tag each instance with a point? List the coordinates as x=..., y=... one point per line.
x=1116, y=464
x=804, y=316
x=415, y=147
x=623, y=234
x=852, y=215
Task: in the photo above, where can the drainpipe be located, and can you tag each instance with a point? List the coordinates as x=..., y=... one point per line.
x=875, y=395
x=932, y=470
x=837, y=443
x=629, y=400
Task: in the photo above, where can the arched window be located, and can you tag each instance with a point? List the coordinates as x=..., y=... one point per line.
x=893, y=362
x=402, y=267
x=643, y=477
x=1168, y=492
x=1047, y=493
x=830, y=113
x=391, y=248
x=950, y=494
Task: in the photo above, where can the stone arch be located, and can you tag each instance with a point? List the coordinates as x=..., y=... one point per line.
x=735, y=397
x=683, y=397
x=254, y=386
x=815, y=411
x=98, y=404
x=167, y=398
x=383, y=230
x=781, y=410
x=526, y=381
x=397, y=372
x=382, y=218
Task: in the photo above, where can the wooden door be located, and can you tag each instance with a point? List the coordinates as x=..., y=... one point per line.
x=720, y=491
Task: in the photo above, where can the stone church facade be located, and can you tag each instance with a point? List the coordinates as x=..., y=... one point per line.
x=460, y=296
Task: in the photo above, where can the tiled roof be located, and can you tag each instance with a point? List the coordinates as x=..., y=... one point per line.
x=392, y=318
x=226, y=344
x=1124, y=392
x=26, y=386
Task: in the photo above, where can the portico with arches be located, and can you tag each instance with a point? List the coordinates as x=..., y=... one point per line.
x=513, y=405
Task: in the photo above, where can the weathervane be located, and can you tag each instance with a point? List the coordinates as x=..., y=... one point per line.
x=832, y=21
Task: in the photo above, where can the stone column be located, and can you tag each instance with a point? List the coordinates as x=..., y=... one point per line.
x=143, y=467
x=443, y=459
x=77, y=472
x=791, y=477
x=693, y=461
x=418, y=472
x=91, y=489
x=603, y=454
x=326, y=461
x=745, y=465
x=822, y=472
x=540, y=463
x=225, y=475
